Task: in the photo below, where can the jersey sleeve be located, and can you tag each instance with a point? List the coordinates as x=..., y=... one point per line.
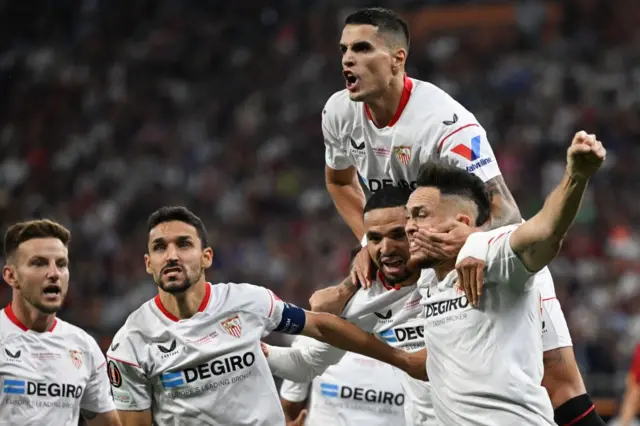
x=335, y=149
x=467, y=147
x=296, y=391
x=504, y=267
x=635, y=364
x=130, y=386
x=276, y=314
x=97, y=395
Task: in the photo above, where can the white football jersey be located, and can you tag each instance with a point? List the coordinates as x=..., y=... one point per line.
x=356, y=391
x=204, y=370
x=485, y=363
x=429, y=125
x=394, y=317
x=47, y=378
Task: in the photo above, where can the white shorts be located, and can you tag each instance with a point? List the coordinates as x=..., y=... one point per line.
x=555, y=332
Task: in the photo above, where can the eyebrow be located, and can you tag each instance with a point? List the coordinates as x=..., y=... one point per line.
x=357, y=45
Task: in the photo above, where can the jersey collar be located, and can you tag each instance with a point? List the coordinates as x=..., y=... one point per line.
x=404, y=99
x=203, y=304
x=14, y=319
x=384, y=283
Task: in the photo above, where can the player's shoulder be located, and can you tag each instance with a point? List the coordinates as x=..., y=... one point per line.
x=71, y=333
x=340, y=109
x=440, y=105
x=232, y=296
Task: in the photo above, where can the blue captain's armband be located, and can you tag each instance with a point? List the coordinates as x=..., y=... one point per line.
x=293, y=320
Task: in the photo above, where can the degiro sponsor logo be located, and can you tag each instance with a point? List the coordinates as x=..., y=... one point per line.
x=375, y=396
x=403, y=334
x=438, y=308
x=213, y=369
x=43, y=389
x=377, y=184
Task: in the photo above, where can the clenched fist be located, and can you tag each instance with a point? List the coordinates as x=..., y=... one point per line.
x=585, y=155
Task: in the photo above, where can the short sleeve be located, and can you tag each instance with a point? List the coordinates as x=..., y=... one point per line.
x=467, y=147
x=504, y=267
x=278, y=315
x=635, y=364
x=130, y=386
x=97, y=395
x=335, y=149
x=294, y=392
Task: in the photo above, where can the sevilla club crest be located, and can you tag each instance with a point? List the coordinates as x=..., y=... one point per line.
x=233, y=326
x=403, y=153
x=76, y=358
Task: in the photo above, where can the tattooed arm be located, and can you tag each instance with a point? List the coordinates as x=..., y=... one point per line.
x=504, y=210
x=333, y=299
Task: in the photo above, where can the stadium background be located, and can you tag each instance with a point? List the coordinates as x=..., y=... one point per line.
x=111, y=108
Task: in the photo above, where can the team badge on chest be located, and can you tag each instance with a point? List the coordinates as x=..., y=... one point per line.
x=233, y=326
x=76, y=358
x=403, y=154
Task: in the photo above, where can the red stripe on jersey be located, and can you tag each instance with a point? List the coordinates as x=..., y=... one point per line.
x=202, y=307
x=101, y=365
x=581, y=416
x=14, y=319
x=549, y=298
x=404, y=100
x=271, y=306
x=498, y=237
x=384, y=283
x=453, y=133
x=123, y=361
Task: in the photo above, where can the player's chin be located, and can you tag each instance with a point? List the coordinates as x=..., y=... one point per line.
x=357, y=95
x=47, y=306
x=419, y=260
x=175, y=287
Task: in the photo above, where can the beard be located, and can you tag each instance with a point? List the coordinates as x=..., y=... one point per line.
x=177, y=287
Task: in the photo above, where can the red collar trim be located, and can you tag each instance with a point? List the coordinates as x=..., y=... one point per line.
x=404, y=99
x=14, y=319
x=384, y=283
x=203, y=304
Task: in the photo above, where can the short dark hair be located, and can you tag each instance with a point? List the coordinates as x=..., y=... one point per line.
x=390, y=196
x=179, y=214
x=387, y=21
x=452, y=180
x=28, y=230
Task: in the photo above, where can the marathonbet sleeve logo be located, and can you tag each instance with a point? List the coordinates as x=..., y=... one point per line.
x=233, y=326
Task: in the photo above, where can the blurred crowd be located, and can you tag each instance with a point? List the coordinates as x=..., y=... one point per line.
x=112, y=108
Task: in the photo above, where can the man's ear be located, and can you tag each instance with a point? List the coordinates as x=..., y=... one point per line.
x=464, y=219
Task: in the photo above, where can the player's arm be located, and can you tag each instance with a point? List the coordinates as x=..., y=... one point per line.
x=131, y=390
x=333, y=299
x=109, y=418
x=341, y=176
x=348, y=197
x=631, y=399
x=504, y=210
x=342, y=334
x=97, y=406
x=537, y=241
x=293, y=397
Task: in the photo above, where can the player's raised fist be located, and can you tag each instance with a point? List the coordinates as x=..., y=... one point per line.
x=585, y=155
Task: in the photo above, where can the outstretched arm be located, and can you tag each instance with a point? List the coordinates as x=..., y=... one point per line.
x=537, y=241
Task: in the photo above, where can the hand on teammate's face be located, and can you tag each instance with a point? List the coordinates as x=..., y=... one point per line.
x=585, y=155
x=470, y=278
x=443, y=241
x=327, y=300
x=361, y=268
